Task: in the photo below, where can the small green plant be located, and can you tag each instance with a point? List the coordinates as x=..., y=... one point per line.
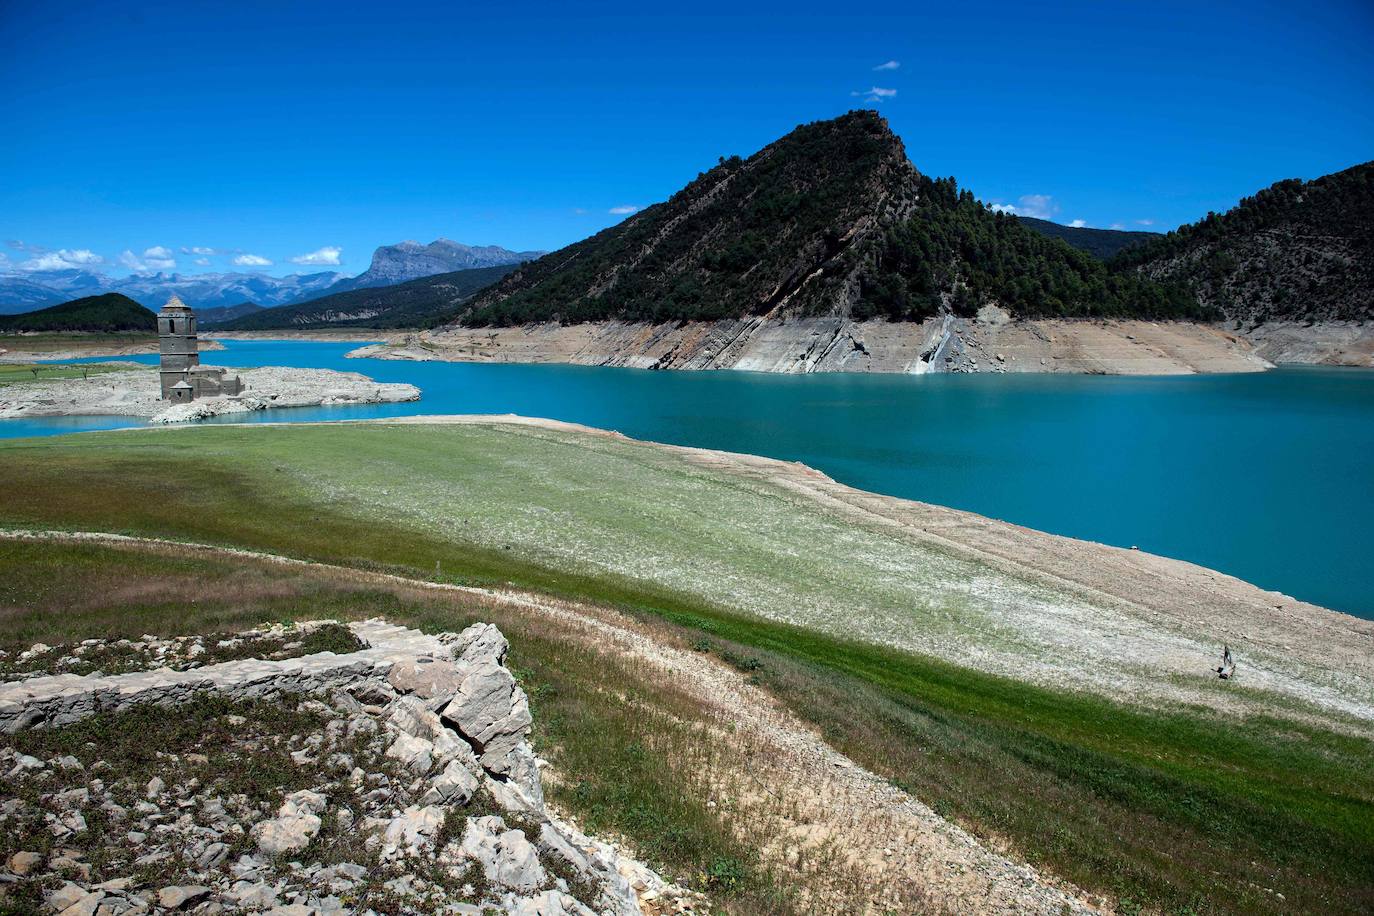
x=725, y=874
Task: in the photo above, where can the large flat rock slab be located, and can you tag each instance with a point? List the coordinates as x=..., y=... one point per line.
x=61, y=699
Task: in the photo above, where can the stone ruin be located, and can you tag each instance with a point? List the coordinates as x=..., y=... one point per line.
x=183, y=377
x=422, y=773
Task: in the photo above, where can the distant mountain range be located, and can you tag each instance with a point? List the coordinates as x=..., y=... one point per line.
x=403, y=305
x=408, y=260
x=221, y=314
x=200, y=291
x=1100, y=243
x=213, y=291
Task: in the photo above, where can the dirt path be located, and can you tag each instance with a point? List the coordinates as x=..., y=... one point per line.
x=849, y=832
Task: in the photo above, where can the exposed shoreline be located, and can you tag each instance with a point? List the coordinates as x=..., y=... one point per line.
x=1153, y=624
x=136, y=393
x=989, y=343
x=76, y=350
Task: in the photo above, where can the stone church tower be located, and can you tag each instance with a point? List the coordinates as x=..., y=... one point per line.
x=183, y=378
x=176, y=331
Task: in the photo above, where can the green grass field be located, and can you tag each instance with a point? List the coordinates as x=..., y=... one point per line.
x=10, y=373
x=1169, y=808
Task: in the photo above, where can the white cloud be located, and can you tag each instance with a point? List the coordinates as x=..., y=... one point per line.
x=202, y=262
x=62, y=259
x=251, y=260
x=1039, y=206
x=1145, y=222
x=579, y=211
x=329, y=254
x=197, y=249
x=159, y=258
x=889, y=65
x=1118, y=226
x=875, y=94
x=1079, y=223
x=623, y=210
x=153, y=259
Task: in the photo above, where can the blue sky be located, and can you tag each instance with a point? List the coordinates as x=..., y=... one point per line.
x=263, y=132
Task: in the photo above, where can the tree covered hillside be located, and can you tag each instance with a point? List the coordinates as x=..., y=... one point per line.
x=830, y=219
x=1298, y=250
x=1100, y=243
x=404, y=305
x=108, y=312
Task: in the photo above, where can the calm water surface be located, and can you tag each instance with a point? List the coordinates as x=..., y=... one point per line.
x=1267, y=476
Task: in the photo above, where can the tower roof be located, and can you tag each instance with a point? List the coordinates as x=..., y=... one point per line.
x=175, y=304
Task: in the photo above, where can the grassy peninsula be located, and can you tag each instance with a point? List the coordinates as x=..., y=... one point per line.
x=891, y=628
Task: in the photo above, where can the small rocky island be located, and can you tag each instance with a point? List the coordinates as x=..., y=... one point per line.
x=182, y=389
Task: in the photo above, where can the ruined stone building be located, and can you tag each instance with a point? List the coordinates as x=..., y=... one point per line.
x=183, y=377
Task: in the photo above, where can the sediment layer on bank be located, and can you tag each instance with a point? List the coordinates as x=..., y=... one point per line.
x=989, y=343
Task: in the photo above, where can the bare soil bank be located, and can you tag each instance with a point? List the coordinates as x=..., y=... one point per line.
x=28, y=348
x=989, y=343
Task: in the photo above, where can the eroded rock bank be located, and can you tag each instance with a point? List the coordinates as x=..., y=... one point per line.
x=990, y=342
x=136, y=393
x=401, y=780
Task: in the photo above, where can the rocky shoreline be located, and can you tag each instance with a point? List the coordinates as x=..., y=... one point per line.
x=408, y=782
x=992, y=342
x=136, y=393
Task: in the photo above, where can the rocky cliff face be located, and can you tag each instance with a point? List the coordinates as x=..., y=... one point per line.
x=1296, y=251
x=410, y=260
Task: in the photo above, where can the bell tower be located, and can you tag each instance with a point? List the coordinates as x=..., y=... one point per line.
x=176, y=331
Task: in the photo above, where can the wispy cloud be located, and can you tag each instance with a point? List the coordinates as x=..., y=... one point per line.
x=153, y=259
x=1118, y=225
x=197, y=249
x=875, y=94
x=251, y=260
x=580, y=211
x=1079, y=223
x=62, y=259
x=328, y=255
x=1145, y=222
x=623, y=210
x=202, y=262
x=1039, y=206
x=889, y=65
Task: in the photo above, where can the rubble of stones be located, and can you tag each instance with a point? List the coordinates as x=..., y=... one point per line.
x=179, y=653
x=416, y=792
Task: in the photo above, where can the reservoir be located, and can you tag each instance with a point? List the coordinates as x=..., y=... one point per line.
x=1266, y=476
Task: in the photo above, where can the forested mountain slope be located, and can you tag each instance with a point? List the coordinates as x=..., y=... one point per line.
x=109, y=312
x=830, y=220
x=1296, y=251
x=411, y=304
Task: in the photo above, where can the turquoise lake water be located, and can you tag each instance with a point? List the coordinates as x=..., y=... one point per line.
x=1266, y=476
